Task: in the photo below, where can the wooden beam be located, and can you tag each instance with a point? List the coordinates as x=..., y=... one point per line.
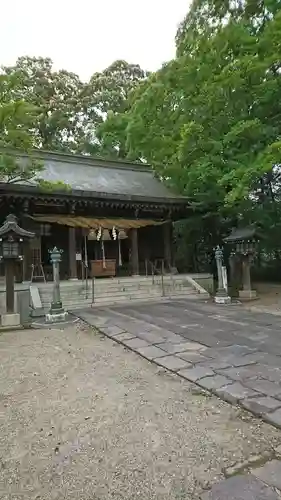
x=134, y=251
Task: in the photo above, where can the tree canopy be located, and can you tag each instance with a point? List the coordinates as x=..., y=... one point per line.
x=69, y=111
x=16, y=122
x=110, y=92
x=41, y=108
x=210, y=119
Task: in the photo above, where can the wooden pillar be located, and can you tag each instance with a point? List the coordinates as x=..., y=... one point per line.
x=134, y=251
x=10, y=286
x=167, y=236
x=72, y=253
x=27, y=258
x=26, y=263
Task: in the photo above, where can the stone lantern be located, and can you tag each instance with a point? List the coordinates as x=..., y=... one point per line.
x=12, y=237
x=57, y=312
x=221, y=296
x=243, y=242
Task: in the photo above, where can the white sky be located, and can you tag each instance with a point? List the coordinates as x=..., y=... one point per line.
x=85, y=36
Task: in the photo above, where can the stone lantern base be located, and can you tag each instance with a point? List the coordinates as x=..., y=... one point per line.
x=10, y=320
x=56, y=318
x=247, y=294
x=221, y=297
x=56, y=314
x=222, y=300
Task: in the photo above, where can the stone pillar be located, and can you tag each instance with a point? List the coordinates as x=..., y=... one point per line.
x=246, y=292
x=221, y=296
x=56, y=300
x=72, y=253
x=134, y=252
x=167, y=236
x=235, y=273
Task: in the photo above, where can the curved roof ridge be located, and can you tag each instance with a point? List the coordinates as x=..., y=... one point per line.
x=88, y=160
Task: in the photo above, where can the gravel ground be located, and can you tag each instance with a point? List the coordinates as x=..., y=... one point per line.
x=83, y=418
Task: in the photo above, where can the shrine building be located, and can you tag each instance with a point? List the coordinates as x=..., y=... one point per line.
x=113, y=218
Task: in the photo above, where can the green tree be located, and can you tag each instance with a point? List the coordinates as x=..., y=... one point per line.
x=71, y=113
x=109, y=101
x=17, y=118
x=16, y=125
x=213, y=119
x=209, y=121
x=60, y=99
x=206, y=17
x=111, y=88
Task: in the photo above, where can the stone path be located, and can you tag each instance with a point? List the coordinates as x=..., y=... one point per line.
x=231, y=352
x=226, y=350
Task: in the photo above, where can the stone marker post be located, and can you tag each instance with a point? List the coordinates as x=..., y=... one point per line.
x=221, y=296
x=56, y=313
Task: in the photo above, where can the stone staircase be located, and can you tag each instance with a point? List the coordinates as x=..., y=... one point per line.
x=76, y=295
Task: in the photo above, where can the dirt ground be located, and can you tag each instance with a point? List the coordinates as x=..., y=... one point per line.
x=83, y=418
x=268, y=298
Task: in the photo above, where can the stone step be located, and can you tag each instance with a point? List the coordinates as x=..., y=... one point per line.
x=115, y=286
x=107, y=296
x=70, y=298
x=140, y=299
x=66, y=300
x=111, y=291
x=119, y=281
x=70, y=301
x=116, y=290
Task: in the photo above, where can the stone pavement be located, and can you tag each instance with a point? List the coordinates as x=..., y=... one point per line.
x=223, y=349
x=233, y=353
